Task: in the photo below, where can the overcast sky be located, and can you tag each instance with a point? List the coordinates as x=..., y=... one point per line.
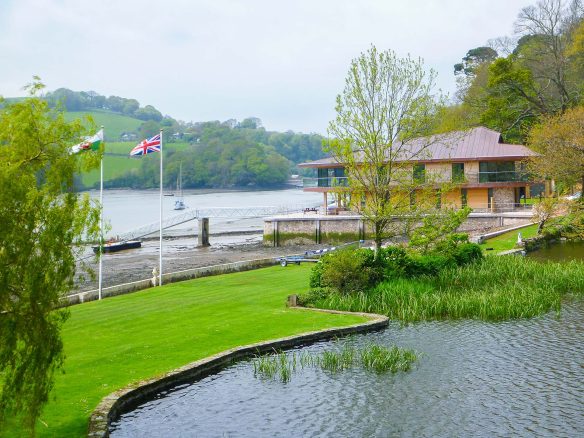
x=281, y=61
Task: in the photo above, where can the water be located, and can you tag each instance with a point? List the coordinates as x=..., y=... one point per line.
x=559, y=252
x=126, y=210
x=516, y=378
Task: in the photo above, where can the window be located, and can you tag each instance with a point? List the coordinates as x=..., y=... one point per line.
x=457, y=172
x=464, y=197
x=497, y=171
x=438, y=199
x=419, y=173
x=490, y=197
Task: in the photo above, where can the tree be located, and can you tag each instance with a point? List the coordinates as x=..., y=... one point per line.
x=474, y=58
x=384, y=115
x=560, y=142
x=42, y=220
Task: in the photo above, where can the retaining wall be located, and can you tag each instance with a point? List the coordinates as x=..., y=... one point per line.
x=283, y=231
x=117, y=402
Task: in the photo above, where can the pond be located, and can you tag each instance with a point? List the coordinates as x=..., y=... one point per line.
x=559, y=252
x=516, y=378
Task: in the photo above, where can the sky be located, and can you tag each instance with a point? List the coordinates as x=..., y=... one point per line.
x=281, y=61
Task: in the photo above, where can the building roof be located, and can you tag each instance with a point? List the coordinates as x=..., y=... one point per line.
x=476, y=144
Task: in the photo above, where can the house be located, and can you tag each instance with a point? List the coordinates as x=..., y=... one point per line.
x=488, y=175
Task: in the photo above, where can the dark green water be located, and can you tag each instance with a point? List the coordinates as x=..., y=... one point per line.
x=559, y=252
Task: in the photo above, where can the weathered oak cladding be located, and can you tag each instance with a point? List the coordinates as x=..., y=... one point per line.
x=127, y=398
x=342, y=229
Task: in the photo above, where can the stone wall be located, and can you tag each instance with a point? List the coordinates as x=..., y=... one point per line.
x=342, y=229
x=504, y=198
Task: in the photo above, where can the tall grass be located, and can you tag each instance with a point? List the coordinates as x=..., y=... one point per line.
x=373, y=357
x=498, y=288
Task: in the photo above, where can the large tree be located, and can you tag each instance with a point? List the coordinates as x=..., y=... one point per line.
x=560, y=143
x=43, y=220
x=384, y=115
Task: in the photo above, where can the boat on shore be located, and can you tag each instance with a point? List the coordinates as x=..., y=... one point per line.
x=118, y=246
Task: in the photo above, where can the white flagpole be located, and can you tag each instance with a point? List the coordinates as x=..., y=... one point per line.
x=100, y=220
x=161, y=178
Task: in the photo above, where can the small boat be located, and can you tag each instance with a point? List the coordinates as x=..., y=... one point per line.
x=169, y=194
x=118, y=246
x=179, y=204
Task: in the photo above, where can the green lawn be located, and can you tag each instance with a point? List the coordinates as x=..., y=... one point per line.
x=508, y=240
x=131, y=337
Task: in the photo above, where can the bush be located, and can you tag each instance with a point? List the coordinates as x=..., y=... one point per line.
x=428, y=265
x=466, y=253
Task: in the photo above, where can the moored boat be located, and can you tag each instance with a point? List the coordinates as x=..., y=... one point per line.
x=118, y=246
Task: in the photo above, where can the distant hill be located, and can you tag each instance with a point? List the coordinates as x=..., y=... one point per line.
x=114, y=124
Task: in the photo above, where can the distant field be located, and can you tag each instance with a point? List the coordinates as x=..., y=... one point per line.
x=120, y=163
x=508, y=240
x=114, y=124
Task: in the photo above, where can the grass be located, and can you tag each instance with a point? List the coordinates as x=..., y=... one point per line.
x=118, y=162
x=343, y=356
x=114, y=124
x=120, y=340
x=507, y=241
x=499, y=288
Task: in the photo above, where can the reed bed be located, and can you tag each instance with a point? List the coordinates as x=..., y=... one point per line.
x=496, y=289
x=373, y=357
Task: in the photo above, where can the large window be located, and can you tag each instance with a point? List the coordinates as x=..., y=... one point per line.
x=497, y=171
x=331, y=177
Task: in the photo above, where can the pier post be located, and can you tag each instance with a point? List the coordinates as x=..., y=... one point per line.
x=203, y=231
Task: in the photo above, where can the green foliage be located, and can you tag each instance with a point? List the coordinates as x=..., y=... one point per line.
x=499, y=288
x=381, y=359
x=347, y=271
x=42, y=222
x=369, y=120
x=437, y=228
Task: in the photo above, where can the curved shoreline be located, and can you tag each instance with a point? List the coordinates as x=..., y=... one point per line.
x=113, y=404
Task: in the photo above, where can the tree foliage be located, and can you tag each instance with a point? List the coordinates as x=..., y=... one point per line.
x=560, y=143
x=384, y=115
x=42, y=221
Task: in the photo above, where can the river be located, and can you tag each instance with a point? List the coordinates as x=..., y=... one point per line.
x=126, y=210
x=480, y=379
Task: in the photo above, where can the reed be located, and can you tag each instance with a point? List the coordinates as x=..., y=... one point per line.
x=381, y=359
x=372, y=357
x=497, y=289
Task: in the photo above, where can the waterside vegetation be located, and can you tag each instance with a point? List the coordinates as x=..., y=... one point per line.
x=490, y=289
x=342, y=356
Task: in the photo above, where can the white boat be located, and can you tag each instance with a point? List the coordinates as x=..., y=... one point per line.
x=179, y=204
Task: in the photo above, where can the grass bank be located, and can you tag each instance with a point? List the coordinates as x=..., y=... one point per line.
x=120, y=340
x=507, y=241
x=498, y=288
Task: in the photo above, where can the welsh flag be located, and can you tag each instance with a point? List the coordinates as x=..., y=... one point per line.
x=90, y=144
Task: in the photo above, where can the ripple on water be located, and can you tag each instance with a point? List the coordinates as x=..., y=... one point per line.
x=518, y=378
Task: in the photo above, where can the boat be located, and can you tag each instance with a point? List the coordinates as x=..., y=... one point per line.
x=179, y=204
x=116, y=246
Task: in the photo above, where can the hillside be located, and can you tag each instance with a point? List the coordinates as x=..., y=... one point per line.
x=114, y=124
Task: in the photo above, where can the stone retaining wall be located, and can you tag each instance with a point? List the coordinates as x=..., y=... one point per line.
x=283, y=231
x=117, y=402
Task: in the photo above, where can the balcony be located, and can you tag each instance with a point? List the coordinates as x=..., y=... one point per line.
x=310, y=183
x=492, y=177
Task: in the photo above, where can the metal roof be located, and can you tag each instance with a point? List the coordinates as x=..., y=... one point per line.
x=476, y=144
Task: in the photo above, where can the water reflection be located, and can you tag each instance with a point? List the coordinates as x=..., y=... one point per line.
x=517, y=378
x=559, y=252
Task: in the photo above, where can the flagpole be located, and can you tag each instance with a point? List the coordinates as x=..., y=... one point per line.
x=101, y=219
x=161, y=178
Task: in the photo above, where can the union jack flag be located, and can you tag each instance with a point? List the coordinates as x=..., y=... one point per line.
x=147, y=146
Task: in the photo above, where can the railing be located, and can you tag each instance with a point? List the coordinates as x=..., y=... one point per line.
x=333, y=181
x=489, y=177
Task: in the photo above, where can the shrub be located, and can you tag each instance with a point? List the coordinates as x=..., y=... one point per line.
x=344, y=271
x=428, y=265
x=466, y=253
